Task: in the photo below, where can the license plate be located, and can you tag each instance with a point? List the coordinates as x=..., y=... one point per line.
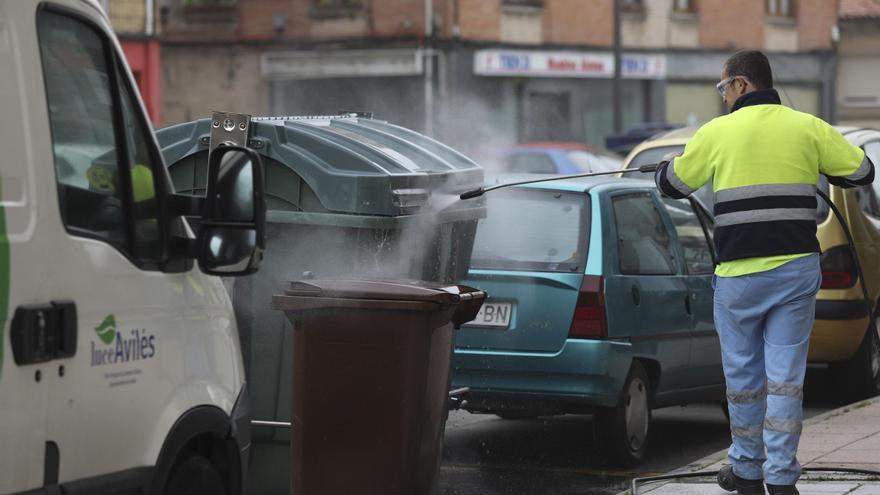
x=493, y=314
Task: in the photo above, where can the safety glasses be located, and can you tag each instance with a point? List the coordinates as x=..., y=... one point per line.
x=722, y=86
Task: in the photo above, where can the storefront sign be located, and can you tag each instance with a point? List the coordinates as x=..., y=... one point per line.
x=566, y=64
x=334, y=64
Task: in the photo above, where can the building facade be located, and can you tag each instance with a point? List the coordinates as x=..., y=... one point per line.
x=485, y=73
x=135, y=26
x=858, y=94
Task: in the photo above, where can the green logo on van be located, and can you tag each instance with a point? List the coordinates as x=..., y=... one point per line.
x=107, y=329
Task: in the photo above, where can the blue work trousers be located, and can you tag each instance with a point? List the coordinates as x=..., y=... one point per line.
x=763, y=322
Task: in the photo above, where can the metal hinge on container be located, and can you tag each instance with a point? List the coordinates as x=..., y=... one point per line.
x=229, y=129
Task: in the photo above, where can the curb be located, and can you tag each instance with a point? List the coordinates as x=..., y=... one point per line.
x=711, y=459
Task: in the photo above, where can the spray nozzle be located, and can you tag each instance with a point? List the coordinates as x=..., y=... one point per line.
x=649, y=168
x=473, y=193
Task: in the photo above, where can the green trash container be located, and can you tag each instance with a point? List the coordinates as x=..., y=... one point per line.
x=348, y=197
x=371, y=377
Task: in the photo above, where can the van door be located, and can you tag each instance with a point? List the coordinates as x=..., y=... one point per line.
x=705, y=360
x=646, y=295
x=23, y=387
x=113, y=402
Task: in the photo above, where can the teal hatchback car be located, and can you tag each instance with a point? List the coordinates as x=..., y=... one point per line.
x=600, y=303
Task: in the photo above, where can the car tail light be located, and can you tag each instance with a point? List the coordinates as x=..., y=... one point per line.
x=838, y=268
x=589, y=315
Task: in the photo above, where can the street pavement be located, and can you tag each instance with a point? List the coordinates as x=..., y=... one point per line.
x=486, y=455
x=847, y=438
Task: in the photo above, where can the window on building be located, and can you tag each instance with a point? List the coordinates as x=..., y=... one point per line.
x=523, y=3
x=334, y=8
x=781, y=8
x=684, y=5
x=209, y=3
x=632, y=5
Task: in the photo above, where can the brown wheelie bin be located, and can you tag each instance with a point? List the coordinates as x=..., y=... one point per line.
x=371, y=364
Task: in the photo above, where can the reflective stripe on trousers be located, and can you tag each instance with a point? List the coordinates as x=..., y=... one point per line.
x=763, y=322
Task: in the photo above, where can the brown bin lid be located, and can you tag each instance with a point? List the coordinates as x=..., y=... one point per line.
x=375, y=290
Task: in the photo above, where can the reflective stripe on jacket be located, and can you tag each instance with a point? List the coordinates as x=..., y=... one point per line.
x=764, y=160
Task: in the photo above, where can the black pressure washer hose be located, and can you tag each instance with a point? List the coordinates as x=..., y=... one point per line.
x=650, y=168
x=855, y=256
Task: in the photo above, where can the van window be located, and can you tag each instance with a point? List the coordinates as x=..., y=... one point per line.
x=81, y=118
x=83, y=111
x=536, y=230
x=145, y=209
x=697, y=253
x=642, y=239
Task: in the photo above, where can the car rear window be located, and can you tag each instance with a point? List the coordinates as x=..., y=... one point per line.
x=530, y=163
x=533, y=230
x=651, y=155
x=593, y=162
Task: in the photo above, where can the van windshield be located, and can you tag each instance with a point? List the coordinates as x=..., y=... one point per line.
x=533, y=230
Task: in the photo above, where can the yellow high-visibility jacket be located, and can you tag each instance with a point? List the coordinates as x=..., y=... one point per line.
x=764, y=160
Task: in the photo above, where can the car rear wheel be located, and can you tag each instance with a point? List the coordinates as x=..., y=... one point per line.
x=859, y=378
x=624, y=431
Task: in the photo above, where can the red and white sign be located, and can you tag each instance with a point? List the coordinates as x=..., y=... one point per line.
x=566, y=64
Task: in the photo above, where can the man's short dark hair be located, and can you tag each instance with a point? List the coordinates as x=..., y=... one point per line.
x=753, y=65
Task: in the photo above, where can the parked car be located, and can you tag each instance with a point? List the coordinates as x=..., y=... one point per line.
x=556, y=158
x=841, y=337
x=624, y=143
x=601, y=303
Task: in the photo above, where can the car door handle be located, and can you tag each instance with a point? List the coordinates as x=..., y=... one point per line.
x=636, y=295
x=43, y=332
x=687, y=304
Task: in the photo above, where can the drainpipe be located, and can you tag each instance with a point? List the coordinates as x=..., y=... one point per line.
x=148, y=18
x=429, y=67
x=617, y=91
x=830, y=96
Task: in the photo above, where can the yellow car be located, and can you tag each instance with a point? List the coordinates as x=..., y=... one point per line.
x=841, y=337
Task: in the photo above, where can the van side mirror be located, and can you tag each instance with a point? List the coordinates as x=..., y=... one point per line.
x=232, y=238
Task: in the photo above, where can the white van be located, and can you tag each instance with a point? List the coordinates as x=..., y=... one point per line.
x=120, y=366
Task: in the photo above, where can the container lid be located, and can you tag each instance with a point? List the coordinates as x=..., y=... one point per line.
x=352, y=164
x=376, y=290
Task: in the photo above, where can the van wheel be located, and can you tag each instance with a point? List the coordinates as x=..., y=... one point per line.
x=195, y=475
x=859, y=378
x=624, y=431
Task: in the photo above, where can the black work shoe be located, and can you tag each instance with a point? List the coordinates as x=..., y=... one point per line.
x=782, y=489
x=728, y=480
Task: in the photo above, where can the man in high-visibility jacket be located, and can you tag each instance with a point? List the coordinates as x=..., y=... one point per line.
x=764, y=160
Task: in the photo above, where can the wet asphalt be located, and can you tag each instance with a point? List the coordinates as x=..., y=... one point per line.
x=487, y=455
